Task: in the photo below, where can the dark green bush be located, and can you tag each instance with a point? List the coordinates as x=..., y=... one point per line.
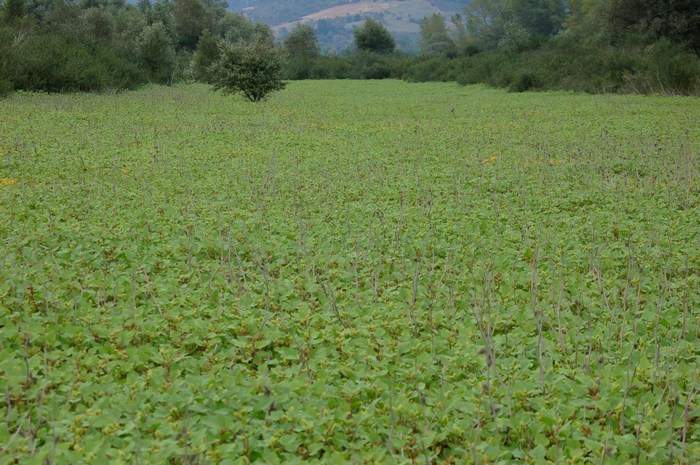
x=670, y=68
x=55, y=63
x=331, y=67
x=6, y=87
x=524, y=81
x=252, y=70
x=663, y=67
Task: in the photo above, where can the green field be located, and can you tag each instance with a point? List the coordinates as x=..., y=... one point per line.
x=350, y=272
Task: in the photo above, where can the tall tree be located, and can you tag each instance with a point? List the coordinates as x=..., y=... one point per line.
x=191, y=18
x=484, y=21
x=435, y=37
x=207, y=54
x=541, y=18
x=235, y=27
x=99, y=25
x=302, y=50
x=677, y=20
x=157, y=53
x=511, y=24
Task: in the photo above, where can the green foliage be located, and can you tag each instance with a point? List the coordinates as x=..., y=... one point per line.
x=369, y=272
x=97, y=45
x=373, y=37
x=303, y=52
x=565, y=63
x=669, y=69
x=192, y=18
x=98, y=25
x=587, y=45
x=236, y=28
x=369, y=65
x=435, y=38
x=56, y=63
x=675, y=20
x=157, y=53
x=6, y=87
x=253, y=70
x=11, y=11
x=163, y=11
x=432, y=69
x=205, y=57
x=334, y=67
x=7, y=52
x=513, y=25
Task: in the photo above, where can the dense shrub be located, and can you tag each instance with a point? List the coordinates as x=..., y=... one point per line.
x=207, y=54
x=660, y=68
x=56, y=64
x=332, y=67
x=6, y=87
x=58, y=46
x=431, y=68
x=252, y=70
x=669, y=68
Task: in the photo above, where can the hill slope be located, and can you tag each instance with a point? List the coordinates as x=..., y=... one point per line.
x=276, y=12
x=334, y=19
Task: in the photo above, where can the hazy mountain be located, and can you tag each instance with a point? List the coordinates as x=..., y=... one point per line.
x=276, y=12
x=335, y=19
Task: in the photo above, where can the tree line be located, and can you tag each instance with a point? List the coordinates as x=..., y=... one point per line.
x=97, y=45
x=644, y=46
x=598, y=46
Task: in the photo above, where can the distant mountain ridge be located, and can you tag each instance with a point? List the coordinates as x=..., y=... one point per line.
x=275, y=12
x=335, y=19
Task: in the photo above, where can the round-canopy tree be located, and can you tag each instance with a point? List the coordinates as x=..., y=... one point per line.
x=253, y=70
x=372, y=36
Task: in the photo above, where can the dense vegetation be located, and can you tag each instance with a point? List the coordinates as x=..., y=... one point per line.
x=635, y=46
x=640, y=46
x=368, y=272
x=93, y=45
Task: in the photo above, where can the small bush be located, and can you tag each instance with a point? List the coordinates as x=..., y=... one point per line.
x=253, y=70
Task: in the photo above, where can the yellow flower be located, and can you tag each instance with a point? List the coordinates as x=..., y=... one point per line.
x=7, y=182
x=488, y=161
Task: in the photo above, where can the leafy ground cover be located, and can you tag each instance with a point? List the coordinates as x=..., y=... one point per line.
x=365, y=272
